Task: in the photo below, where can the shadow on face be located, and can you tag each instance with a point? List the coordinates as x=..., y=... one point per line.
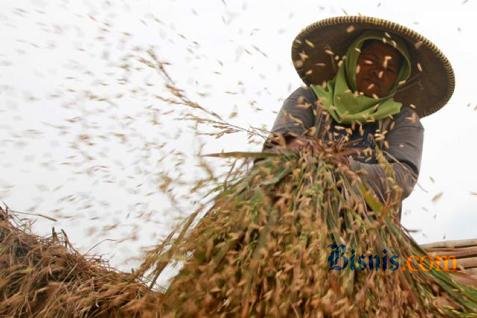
x=377, y=69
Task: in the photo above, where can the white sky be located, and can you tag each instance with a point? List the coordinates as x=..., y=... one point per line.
x=46, y=47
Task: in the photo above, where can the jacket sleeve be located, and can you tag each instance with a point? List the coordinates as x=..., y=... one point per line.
x=405, y=141
x=294, y=118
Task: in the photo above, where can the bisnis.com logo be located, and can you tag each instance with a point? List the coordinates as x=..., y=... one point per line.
x=338, y=260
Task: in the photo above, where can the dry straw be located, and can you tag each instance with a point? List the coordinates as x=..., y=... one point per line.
x=47, y=277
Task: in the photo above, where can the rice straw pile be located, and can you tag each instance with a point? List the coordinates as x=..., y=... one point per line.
x=47, y=277
x=261, y=250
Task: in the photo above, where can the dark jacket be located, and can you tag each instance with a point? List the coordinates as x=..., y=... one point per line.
x=401, y=138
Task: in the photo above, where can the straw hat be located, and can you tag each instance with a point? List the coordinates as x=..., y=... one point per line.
x=318, y=48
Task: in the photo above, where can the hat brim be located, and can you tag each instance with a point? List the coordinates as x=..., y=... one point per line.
x=317, y=49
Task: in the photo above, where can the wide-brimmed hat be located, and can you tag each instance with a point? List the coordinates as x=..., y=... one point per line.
x=317, y=49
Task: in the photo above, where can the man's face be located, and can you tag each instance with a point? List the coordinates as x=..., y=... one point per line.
x=377, y=69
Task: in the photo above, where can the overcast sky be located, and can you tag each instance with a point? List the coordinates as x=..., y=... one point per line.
x=227, y=55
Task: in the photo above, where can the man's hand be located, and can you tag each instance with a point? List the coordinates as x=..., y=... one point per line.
x=297, y=143
x=302, y=144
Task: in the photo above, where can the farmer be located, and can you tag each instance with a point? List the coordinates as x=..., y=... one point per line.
x=368, y=81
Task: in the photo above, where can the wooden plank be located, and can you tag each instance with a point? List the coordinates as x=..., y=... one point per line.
x=459, y=252
x=471, y=271
x=465, y=278
x=465, y=252
x=467, y=262
x=450, y=243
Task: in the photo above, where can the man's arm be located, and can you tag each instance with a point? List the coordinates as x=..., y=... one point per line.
x=405, y=141
x=294, y=118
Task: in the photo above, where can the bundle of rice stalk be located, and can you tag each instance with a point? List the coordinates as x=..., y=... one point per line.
x=47, y=277
x=268, y=247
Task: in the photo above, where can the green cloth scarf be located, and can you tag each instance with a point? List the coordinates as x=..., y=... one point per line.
x=337, y=94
